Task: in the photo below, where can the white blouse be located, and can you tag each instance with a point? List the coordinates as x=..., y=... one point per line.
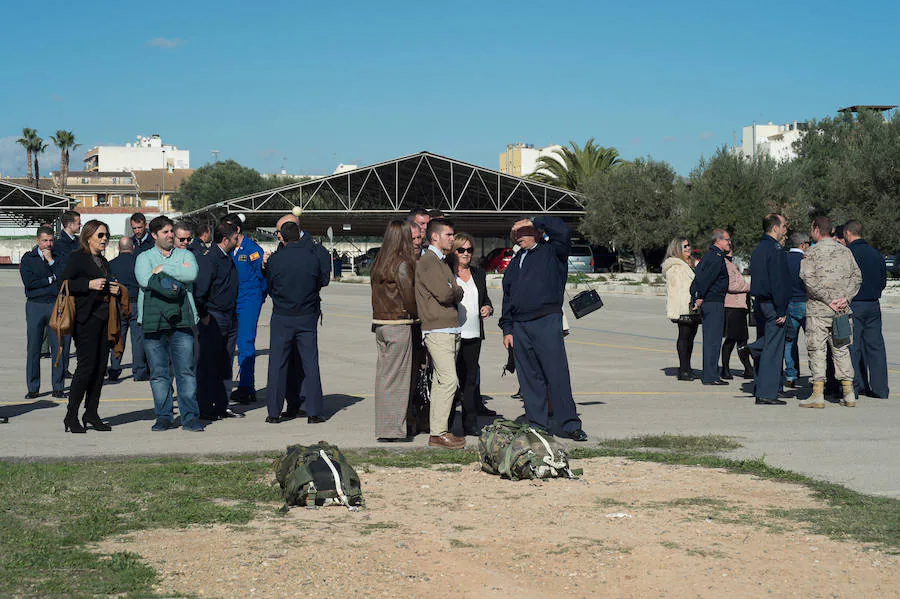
x=469, y=311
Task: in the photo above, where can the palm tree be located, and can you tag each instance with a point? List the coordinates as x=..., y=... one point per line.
x=37, y=148
x=26, y=141
x=65, y=141
x=571, y=167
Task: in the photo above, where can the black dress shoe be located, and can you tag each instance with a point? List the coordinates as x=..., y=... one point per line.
x=517, y=395
x=274, y=419
x=60, y=394
x=685, y=376
x=291, y=414
x=726, y=375
x=208, y=417
x=315, y=420
x=716, y=383
x=486, y=411
x=68, y=375
x=95, y=423
x=576, y=435
x=770, y=402
x=114, y=375
x=229, y=413
x=32, y=395
x=141, y=378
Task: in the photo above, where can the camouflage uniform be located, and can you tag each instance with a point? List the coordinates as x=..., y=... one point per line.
x=830, y=273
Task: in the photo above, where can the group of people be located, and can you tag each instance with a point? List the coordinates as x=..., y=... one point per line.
x=190, y=303
x=828, y=285
x=429, y=304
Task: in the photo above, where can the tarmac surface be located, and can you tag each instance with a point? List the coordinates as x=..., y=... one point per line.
x=622, y=360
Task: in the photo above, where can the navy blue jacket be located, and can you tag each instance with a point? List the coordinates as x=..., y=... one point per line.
x=37, y=274
x=711, y=277
x=122, y=268
x=770, y=279
x=295, y=274
x=216, y=287
x=536, y=288
x=142, y=246
x=874, y=272
x=63, y=246
x=798, y=287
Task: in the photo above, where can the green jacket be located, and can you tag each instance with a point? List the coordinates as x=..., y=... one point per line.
x=166, y=305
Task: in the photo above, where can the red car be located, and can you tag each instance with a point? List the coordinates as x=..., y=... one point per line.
x=497, y=260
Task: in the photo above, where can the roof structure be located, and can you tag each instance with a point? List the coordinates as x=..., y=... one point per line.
x=23, y=206
x=878, y=107
x=480, y=201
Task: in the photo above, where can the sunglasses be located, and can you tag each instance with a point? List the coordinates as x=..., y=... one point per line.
x=102, y=235
x=686, y=246
x=185, y=239
x=465, y=251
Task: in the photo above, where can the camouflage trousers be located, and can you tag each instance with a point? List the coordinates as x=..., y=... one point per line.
x=818, y=340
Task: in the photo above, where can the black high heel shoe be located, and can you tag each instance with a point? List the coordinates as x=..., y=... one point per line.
x=72, y=425
x=95, y=422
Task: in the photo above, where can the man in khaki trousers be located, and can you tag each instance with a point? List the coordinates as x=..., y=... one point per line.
x=437, y=298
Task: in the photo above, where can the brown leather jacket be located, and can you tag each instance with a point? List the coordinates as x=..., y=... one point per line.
x=394, y=301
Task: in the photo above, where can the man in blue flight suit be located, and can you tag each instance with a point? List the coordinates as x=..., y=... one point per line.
x=216, y=294
x=248, y=258
x=770, y=286
x=296, y=273
x=708, y=292
x=867, y=351
x=533, y=287
x=122, y=268
x=41, y=272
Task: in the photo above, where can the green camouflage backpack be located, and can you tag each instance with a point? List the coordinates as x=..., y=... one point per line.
x=317, y=475
x=519, y=451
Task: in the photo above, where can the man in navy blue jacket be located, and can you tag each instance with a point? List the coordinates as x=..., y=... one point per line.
x=770, y=286
x=40, y=271
x=122, y=268
x=63, y=246
x=295, y=274
x=867, y=351
x=533, y=288
x=142, y=240
x=796, y=319
x=708, y=292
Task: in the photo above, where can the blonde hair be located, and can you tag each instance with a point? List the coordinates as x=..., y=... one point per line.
x=459, y=240
x=676, y=250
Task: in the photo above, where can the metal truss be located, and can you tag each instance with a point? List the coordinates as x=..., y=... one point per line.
x=23, y=206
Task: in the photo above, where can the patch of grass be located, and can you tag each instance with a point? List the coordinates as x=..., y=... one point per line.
x=462, y=528
x=578, y=278
x=670, y=545
x=457, y=544
x=607, y=502
x=691, y=502
x=451, y=468
x=371, y=527
x=415, y=458
x=694, y=444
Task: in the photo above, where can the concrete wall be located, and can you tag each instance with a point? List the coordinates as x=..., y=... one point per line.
x=123, y=158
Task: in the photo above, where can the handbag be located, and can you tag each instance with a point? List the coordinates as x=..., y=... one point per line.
x=751, y=316
x=585, y=302
x=62, y=320
x=841, y=331
x=421, y=402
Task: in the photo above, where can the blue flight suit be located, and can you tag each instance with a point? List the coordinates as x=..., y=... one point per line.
x=867, y=351
x=711, y=284
x=122, y=268
x=770, y=286
x=42, y=282
x=248, y=258
x=216, y=296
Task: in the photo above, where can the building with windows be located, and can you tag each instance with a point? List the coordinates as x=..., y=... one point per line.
x=774, y=141
x=520, y=160
x=156, y=186
x=145, y=154
x=94, y=189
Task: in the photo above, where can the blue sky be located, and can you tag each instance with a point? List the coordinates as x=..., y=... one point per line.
x=362, y=82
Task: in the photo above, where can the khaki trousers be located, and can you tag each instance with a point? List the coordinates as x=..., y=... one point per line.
x=818, y=339
x=442, y=347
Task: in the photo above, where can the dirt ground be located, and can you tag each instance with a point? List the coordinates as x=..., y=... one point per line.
x=625, y=529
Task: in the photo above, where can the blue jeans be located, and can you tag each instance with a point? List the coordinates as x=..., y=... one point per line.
x=796, y=321
x=176, y=347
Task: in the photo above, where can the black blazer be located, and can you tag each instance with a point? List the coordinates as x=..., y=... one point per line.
x=480, y=278
x=88, y=302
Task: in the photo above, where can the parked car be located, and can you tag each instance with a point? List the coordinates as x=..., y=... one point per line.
x=892, y=263
x=497, y=260
x=581, y=258
x=606, y=259
x=364, y=261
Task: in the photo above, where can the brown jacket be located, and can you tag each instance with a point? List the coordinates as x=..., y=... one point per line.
x=437, y=293
x=394, y=300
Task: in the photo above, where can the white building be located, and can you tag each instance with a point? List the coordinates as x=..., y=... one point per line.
x=775, y=141
x=147, y=153
x=520, y=160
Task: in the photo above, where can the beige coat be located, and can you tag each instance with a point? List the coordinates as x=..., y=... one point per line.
x=679, y=276
x=737, y=287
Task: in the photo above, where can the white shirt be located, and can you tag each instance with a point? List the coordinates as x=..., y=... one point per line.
x=469, y=312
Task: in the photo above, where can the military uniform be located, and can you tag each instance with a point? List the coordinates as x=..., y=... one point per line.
x=248, y=258
x=829, y=272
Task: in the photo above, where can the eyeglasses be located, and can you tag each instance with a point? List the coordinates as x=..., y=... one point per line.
x=465, y=251
x=102, y=235
x=686, y=246
x=185, y=239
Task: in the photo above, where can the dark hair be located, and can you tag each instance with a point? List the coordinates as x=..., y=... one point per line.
x=183, y=226
x=68, y=217
x=855, y=227
x=203, y=229
x=435, y=214
x=223, y=231
x=838, y=232
x=44, y=230
x=436, y=225
x=158, y=223
x=87, y=231
x=234, y=221
x=290, y=231
x=823, y=224
x=770, y=221
x=417, y=212
x=138, y=217
x=396, y=249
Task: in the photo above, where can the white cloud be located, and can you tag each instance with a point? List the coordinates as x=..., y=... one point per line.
x=13, y=159
x=165, y=42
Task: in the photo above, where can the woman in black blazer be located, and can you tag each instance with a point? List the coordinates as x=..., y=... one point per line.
x=90, y=285
x=473, y=309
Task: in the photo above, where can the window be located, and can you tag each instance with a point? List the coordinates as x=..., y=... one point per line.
x=85, y=180
x=126, y=180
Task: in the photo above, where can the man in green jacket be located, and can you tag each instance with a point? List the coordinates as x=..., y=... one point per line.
x=167, y=314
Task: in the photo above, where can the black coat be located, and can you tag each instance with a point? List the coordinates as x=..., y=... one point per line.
x=216, y=287
x=79, y=273
x=122, y=268
x=63, y=247
x=711, y=277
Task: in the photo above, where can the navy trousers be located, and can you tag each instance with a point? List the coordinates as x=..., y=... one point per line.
x=37, y=318
x=131, y=328
x=543, y=371
x=768, y=350
x=214, y=363
x=713, y=329
x=298, y=332
x=867, y=351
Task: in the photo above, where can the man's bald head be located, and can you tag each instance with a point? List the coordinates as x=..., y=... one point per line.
x=126, y=245
x=287, y=218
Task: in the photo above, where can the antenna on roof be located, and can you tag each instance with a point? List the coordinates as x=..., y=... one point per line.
x=215, y=153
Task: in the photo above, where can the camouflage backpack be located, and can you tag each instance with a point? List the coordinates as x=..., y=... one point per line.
x=317, y=475
x=519, y=451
